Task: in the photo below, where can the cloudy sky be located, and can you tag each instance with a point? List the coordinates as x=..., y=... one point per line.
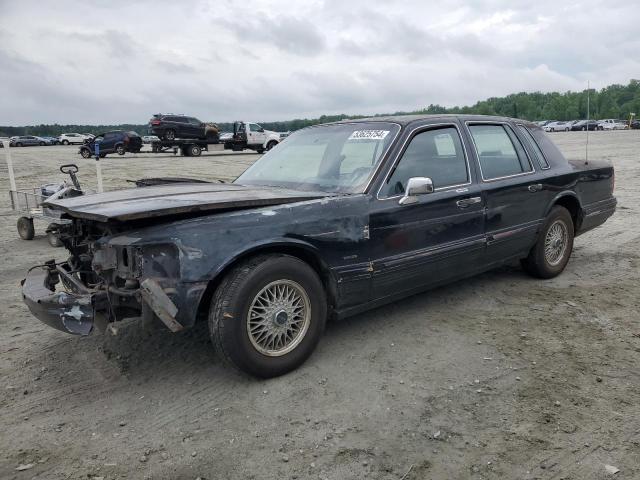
x=113, y=61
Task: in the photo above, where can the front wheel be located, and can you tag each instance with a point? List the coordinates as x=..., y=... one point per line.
x=550, y=254
x=85, y=152
x=271, y=144
x=25, y=228
x=65, y=142
x=120, y=150
x=268, y=315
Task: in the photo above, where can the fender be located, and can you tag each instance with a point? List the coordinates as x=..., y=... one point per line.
x=565, y=193
x=273, y=243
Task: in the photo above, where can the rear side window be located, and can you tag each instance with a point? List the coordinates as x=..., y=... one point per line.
x=535, y=149
x=499, y=151
x=437, y=154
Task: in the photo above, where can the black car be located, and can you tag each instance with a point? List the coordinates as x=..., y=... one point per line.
x=583, y=125
x=635, y=124
x=117, y=141
x=171, y=127
x=338, y=219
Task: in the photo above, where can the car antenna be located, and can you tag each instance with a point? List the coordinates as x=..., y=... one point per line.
x=586, y=149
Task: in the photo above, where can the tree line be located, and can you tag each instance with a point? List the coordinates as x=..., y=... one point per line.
x=613, y=101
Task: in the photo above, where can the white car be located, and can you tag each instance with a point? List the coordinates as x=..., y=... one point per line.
x=557, y=127
x=150, y=139
x=611, y=124
x=71, y=138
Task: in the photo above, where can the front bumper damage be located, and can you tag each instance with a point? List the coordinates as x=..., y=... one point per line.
x=78, y=310
x=72, y=310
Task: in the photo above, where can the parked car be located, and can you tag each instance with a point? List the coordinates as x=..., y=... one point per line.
x=150, y=139
x=338, y=219
x=171, y=127
x=557, y=127
x=88, y=135
x=117, y=141
x=612, y=124
x=26, y=141
x=583, y=125
x=71, y=138
x=635, y=124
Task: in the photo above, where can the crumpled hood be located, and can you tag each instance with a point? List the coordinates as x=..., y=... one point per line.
x=165, y=200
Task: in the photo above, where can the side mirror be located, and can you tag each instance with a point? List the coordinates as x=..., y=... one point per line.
x=416, y=186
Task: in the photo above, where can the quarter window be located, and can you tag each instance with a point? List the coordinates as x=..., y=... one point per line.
x=499, y=151
x=537, y=152
x=437, y=154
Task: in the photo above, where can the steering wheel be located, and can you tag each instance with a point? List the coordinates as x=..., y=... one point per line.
x=69, y=168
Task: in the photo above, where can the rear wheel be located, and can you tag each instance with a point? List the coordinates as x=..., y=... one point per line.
x=550, y=255
x=195, y=151
x=268, y=315
x=25, y=228
x=170, y=135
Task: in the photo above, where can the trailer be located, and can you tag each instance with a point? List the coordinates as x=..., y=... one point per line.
x=187, y=147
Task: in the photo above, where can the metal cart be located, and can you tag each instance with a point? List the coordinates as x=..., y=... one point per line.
x=28, y=203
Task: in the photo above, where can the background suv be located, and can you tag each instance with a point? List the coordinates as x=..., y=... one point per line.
x=117, y=141
x=69, y=138
x=170, y=127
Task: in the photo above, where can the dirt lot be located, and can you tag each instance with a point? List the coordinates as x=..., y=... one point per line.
x=497, y=377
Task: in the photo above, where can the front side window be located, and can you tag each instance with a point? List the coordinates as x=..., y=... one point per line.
x=499, y=151
x=338, y=158
x=437, y=154
x=255, y=127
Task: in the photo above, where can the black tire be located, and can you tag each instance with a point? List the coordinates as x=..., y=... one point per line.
x=85, y=153
x=25, y=228
x=169, y=134
x=41, y=144
x=18, y=144
x=230, y=308
x=195, y=151
x=260, y=150
x=120, y=150
x=271, y=144
x=537, y=263
x=65, y=142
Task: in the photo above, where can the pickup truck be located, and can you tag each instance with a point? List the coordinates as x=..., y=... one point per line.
x=612, y=124
x=339, y=219
x=251, y=136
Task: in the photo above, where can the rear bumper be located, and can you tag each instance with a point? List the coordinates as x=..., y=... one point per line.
x=70, y=312
x=597, y=213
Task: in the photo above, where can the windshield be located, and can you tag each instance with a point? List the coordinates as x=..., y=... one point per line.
x=336, y=158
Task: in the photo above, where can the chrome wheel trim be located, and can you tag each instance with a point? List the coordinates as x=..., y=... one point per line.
x=555, y=243
x=278, y=318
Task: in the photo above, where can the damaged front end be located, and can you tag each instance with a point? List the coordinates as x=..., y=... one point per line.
x=106, y=279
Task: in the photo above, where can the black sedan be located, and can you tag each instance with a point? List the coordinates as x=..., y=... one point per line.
x=338, y=219
x=584, y=125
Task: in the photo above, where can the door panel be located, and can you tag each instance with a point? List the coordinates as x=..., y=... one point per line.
x=441, y=236
x=515, y=193
x=426, y=243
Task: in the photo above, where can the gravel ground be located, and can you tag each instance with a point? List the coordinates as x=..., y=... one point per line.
x=496, y=377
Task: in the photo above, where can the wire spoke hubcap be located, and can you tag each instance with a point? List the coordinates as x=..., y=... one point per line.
x=555, y=243
x=278, y=318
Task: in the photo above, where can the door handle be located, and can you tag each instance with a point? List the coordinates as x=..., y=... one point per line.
x=536, y=187
x=465, y=202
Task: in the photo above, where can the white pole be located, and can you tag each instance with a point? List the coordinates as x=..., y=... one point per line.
x=7, y=153
x=586, y=151
x=99, y=174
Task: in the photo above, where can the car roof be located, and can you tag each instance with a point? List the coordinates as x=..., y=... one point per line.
x=405, y=120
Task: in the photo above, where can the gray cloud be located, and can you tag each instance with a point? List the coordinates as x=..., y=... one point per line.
x=85, y=62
